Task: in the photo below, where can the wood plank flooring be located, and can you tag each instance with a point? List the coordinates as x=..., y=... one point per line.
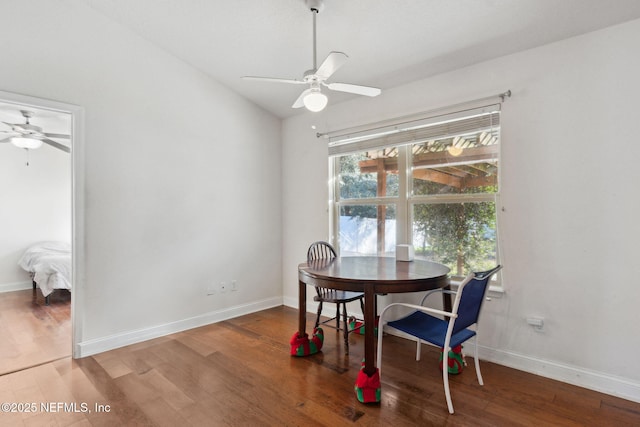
x=239, y=373
x=32, y=332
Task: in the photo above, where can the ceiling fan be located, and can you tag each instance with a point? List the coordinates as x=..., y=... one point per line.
x=313, y=98
x=26, y=135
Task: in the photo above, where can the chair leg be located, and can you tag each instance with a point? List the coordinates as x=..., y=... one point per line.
x=318, y=316
x=476, y=361
x=379, y=350
x=445, y=380
x=346, y=328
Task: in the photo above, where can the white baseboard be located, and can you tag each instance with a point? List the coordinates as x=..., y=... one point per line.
x=592, y=380
x=312, y=307
x=292, y=302
x=581, y=377
x=15, y=286
x=99, y=345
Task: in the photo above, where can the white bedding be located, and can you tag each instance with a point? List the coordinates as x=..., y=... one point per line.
x=50, y=264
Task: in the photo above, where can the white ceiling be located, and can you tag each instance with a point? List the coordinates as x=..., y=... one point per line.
x=389, y=42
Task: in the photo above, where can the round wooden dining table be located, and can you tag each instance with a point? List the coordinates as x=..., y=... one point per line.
x=371, y=275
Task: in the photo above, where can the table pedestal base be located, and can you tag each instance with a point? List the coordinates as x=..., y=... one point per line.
x=367, y=387
x=303, y=346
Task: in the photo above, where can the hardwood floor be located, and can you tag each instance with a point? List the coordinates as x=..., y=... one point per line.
x=32, y=332
x=239, y=373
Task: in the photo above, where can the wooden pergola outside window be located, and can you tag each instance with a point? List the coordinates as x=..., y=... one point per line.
x=457, y=164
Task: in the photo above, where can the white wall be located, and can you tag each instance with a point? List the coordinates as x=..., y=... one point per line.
x=569, y=227
x=36, y=205
x=182, y=176
x=180, y=173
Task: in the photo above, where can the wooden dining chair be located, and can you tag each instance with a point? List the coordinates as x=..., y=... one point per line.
x=444, y=329
x=323, y=250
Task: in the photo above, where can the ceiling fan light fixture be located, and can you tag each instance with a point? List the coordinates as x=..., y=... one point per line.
x=315, y=101
x=24, y=142
x=312, y=98
x=455, y=151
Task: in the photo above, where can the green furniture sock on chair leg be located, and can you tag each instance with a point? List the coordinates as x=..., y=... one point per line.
x=368, y=388
x=359, y=325
x=456, y=362
x=303, y=346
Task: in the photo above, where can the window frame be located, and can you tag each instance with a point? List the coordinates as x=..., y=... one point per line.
x=406, y=200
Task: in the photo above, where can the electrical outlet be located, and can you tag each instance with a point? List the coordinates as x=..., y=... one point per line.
x=536, y=322
x=234, y=286
x=223, y=287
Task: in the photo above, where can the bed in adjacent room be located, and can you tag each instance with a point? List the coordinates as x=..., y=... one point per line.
x=49, y=264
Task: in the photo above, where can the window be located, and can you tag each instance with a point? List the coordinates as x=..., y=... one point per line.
x=432, y=183
x=367, y=197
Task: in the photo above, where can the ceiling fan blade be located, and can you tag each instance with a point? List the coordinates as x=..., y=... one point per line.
x=56, y=145
x=57, y=135
x=358, y=90
x=331, y=64
x=300, y=101
x=6, y=139
x=274, y=80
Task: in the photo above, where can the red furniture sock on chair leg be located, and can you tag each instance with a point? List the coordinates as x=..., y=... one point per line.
x=303, y=346
x=456, y=360
x=359, y=325
x=368, y=388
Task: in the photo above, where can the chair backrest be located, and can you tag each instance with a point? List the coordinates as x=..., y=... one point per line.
x=471, y=297
x=321, y=250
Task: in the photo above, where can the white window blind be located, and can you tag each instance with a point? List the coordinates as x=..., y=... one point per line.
x=417, y=130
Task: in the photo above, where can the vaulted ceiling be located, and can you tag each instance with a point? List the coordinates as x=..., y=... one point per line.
x=389, y=42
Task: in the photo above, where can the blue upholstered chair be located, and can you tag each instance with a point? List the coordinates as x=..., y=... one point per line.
x=441, y=328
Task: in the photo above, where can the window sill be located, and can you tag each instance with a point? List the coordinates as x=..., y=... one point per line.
x=495, y=291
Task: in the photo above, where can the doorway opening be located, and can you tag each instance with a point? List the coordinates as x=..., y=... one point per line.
x=42, y=188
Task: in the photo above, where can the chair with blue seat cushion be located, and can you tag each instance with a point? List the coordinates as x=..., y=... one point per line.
x=442, y=328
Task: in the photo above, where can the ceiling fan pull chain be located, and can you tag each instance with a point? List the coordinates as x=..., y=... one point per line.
x=27, y=150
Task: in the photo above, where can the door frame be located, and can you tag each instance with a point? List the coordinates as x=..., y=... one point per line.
x=77, y=202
